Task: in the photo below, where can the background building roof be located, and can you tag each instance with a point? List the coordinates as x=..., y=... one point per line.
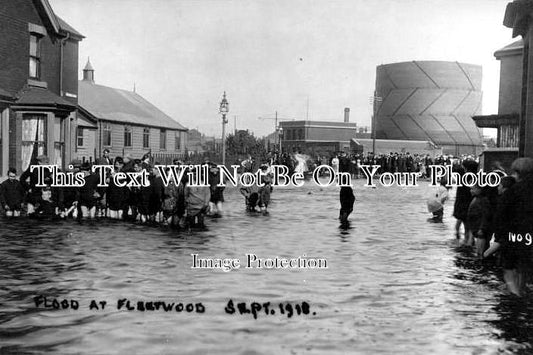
x=124, y=106
x=385, y=146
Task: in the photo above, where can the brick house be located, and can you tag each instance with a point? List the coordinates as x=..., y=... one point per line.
x=124, y=123
x=38, y=84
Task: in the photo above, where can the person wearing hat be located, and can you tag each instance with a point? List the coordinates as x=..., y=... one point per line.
x=33, y=192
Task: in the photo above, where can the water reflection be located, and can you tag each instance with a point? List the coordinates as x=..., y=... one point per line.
x=395, y=283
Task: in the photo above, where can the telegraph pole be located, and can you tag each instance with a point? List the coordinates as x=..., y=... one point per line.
x=276, y=128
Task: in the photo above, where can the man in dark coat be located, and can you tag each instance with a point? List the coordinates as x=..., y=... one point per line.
x=11, y=194
x=346, y=195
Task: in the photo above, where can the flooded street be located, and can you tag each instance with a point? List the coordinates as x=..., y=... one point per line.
x=395, y=283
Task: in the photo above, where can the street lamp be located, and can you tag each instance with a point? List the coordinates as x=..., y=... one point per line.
x=223, y=110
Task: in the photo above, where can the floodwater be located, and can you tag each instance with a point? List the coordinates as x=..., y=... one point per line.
x=395, y=283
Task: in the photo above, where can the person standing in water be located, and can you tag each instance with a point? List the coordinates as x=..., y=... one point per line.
x=346, y=195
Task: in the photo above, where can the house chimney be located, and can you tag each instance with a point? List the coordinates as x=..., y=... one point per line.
x=88, y=72
x=346, y=115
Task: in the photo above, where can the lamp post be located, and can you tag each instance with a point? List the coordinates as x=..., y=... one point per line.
x=223, y=110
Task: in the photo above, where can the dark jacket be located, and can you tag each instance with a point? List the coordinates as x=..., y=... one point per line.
x=11, y=194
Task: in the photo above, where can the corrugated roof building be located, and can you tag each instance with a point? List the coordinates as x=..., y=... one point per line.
x=124, y=123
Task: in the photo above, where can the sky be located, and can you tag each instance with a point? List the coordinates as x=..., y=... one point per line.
x=304, y=59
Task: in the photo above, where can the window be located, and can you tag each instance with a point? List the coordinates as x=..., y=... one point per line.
x=300, y=134
x=127, y=136
x=107, y=134
x=163, y=139
x=146, y=138
x=59, y=141
x=33, y=138
x=79, y=137
x=35, y=56
x=178, y=141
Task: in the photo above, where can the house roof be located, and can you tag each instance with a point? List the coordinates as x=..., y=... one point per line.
x=510, y=49
x=47, y=14
x=68, y=28
x=36, y=96
x=495, y=121
x=123, y=106
x=54, y=22
x=5, y=94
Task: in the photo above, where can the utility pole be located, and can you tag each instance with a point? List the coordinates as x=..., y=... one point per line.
x=276, y=128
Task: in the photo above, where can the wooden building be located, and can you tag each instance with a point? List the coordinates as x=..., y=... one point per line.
x=38, y=84
x=124, y=123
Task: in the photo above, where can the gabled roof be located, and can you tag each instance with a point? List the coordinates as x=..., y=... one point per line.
x=54, y=22
x=47, y=14
x=122, y=106
x=68, y=28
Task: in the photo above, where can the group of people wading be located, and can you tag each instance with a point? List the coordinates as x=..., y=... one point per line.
x=497, y=221
x=178, y=205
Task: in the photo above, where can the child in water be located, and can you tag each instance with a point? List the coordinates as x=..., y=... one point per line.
x=46, y=207
x=436, y=201
x=478, y=220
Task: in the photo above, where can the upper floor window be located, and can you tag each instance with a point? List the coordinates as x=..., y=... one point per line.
x=146, y=138
x=35, y=56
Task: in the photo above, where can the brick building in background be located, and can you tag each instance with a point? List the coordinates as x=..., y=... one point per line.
x=317, y=137
x=38, y=84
